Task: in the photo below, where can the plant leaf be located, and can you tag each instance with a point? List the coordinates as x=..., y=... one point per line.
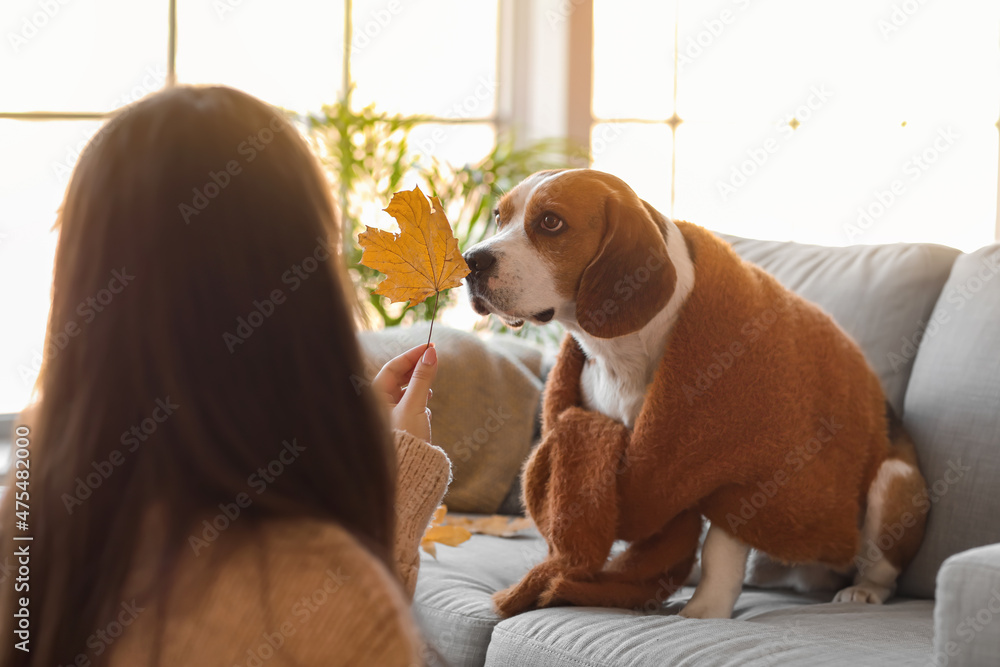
x=423, y=258
x=451, y=536
x=496, y=525
x=439, y=515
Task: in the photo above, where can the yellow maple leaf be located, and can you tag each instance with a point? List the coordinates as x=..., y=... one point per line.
x=496, y=525
x=439, y=514
x=451, y=536
x=423, y=258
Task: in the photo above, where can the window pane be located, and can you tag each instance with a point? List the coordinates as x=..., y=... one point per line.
x=633, y=59
x=875, y=109
x=639, y=154
x=288, y=54
x=81, y=56
x=456, y=144
x=422, y=57
x=452, y=145
x=38, y=157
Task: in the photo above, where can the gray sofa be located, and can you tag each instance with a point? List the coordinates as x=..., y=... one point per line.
x=928, y=318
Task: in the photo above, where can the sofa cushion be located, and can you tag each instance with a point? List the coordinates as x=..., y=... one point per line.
x=881, y=295
x=768, y=628
x=968, y=603
x=953, y=413
x=486, y=396
x=453, y=601
x=454, y=608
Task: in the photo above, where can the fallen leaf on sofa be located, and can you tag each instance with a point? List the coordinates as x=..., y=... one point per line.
x=437, y=532
x=496, y=525
x=420, y=261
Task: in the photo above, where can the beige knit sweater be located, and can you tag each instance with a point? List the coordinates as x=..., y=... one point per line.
x=299, y=593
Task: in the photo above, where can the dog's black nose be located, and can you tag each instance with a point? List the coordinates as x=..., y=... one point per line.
x=479, y=260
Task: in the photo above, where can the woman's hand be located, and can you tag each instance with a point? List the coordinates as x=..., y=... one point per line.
x=405, y=385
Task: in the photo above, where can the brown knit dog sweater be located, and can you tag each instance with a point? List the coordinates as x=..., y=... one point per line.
x=758, y=395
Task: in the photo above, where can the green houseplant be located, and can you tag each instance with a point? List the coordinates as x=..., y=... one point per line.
x=367, y=156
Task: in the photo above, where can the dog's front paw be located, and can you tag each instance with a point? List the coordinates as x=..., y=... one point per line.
x=706, y=609
x=865, y=591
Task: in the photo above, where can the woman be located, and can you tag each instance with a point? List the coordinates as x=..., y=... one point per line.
x=213, y=480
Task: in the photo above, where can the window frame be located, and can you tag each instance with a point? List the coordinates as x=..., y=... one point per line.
x=498, y=119
x=513, y=72
x=581, y=119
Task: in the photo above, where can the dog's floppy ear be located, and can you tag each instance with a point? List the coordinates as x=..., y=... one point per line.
x=630, y=278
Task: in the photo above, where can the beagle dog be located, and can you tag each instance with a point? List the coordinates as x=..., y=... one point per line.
x=579, y=247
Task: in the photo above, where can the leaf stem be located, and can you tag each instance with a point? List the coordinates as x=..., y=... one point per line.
x=433, y=315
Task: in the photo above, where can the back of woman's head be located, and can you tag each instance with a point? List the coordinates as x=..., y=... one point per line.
x=199, y=348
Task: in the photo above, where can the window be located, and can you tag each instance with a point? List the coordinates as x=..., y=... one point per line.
x=833, y=123
x=65, y=66
x=837, y=123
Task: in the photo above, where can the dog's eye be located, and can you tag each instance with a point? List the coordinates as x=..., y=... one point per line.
x=496, y=216
x=551, y=223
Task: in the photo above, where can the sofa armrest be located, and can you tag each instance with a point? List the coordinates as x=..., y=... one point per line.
x=967, y=611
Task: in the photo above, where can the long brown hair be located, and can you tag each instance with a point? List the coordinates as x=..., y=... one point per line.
x=199, y=325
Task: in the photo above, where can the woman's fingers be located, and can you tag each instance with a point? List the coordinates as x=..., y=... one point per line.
x=415, y=370
x=412, y=414
x=396, y=374
x=414, y=400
